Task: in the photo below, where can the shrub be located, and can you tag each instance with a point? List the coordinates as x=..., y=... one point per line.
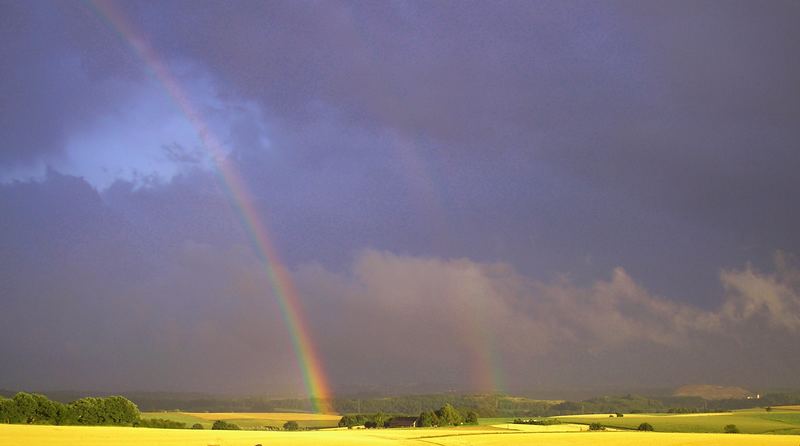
x=221, y=425
x=645, y=427
x=159, y=423
x=619, y=415
x=471, y=417
x=596, y=427
x=197, y=426
x=538, y=421
x=731, y=429
x=291, y=426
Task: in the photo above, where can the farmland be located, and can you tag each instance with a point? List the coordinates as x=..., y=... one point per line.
x=672, y=430
x=778, y=421
x=32, y=435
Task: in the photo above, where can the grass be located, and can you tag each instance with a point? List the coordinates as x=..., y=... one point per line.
x=25, y=435
x=748, y=421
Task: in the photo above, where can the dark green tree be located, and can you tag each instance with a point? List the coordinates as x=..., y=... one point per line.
x=449, y=416
x=26, y=407
x=291, y=426
x=197, y=426
x=731, y=429
x=471, y=417
x=221, y=425
x=9, y=412
x=118, y=410
x=381, y=419
x=88, y=411
x=645, y=427
x=427, y=419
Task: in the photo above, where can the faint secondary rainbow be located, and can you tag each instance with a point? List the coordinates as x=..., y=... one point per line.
x=308, y=358
x=486, y=361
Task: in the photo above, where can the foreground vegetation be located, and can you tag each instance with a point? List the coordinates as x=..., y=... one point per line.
x=485, y=405
x=33, y=435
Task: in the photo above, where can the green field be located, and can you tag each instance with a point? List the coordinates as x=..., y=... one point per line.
x=33, y=435
x=748, y=421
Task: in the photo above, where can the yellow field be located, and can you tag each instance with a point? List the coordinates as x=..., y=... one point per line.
x=564, y=427
x=284, y=416
x=24, y=435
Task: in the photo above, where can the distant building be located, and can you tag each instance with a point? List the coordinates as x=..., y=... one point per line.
x=403, y=422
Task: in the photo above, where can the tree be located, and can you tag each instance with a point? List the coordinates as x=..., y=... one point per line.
x=119, y=410
x=197, y=426
x=44, y=410
x=26, y=407
x=88, y=411
x=291, y=426
x=620, y=415
x=731, y=429
x=63, y=414
x=448, y=416
x=427, y=419
x=9, y=412
x=381, y=419
x=471, y=418
x=645, y=427
x=596, y=427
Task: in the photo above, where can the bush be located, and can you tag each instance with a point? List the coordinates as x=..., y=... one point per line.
x=645, y=427
x=596, y=427
x=538, y=421
x=291, y=426
x=731, y=429
x=370, y=424
x=197, y=426
x=221, y=425
x=159, y=423
x=619, y=415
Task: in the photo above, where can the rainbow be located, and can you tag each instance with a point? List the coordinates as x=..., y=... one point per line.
x=308, y=358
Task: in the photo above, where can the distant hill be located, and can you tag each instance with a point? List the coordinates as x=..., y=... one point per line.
x=711, y=392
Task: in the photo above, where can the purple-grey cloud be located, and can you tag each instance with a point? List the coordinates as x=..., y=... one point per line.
x=582, y=160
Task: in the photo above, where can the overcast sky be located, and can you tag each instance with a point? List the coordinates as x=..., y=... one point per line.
x=476, y=196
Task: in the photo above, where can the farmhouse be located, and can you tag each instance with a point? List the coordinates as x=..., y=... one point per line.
x=403, y=422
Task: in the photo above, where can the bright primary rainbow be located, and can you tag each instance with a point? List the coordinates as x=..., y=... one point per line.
x=308, y=358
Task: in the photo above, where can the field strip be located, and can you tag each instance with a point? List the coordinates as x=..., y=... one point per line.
x=282, y=416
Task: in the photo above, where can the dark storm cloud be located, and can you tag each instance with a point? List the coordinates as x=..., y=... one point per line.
x=683, y=113
x=614, y=157
x=157, y=309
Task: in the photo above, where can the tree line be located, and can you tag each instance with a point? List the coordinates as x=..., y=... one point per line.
x=33, y=408
x=447, y=415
